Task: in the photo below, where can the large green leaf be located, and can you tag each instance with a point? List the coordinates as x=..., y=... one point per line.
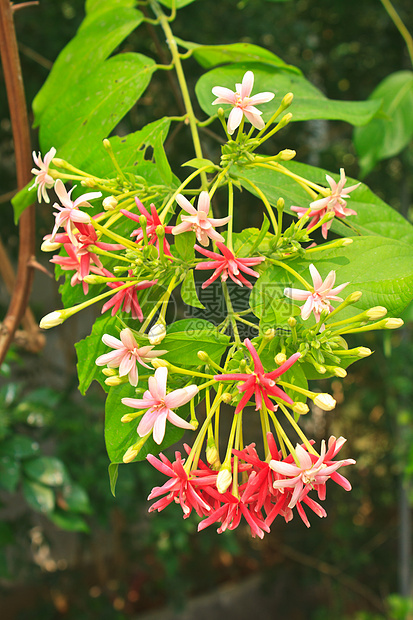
x=382, y=269
x=89, y=349
x=309, y=102
x=374, y=216
x=210, y=56
x=96, y=39
x=120, y=436
x=47, y=470
x=185, y=338
x=388, y=135
x=90, y=111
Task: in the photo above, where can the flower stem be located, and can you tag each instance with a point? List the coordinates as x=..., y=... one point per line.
x=293, y=272
x=391, y=11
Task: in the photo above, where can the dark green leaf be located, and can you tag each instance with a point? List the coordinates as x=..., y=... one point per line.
x=185, y=338
x=75, y=498
x=388, y=135
x=178, y=3
x=9, y=473
x=188, y=291
x=113, y=476
x=38, y=496
x=69, y=521
x=161, y=161
x=20, y=447
x=309, y=102
x=47, y=470
x=90, y=348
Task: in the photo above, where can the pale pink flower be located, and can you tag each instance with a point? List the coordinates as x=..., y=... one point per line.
x=80, y=263
x=126, y=355
x=159, y=405
x=43, y=179
x=312, y=471
x=335, y=203
x=198, y=220
x=318, y=300
x=69, y=213
x=227, y=264
x=242, y=102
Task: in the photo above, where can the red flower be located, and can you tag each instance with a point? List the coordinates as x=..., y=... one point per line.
x=126, y=299
x=261, y=384
x=152, y=221
x=227, y=264
x=230, y=513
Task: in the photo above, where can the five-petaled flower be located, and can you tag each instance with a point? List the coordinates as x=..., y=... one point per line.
x=127, y=298
x=227, y=264
x=198, y=220
x=70, y=214
x=159, y=405
x=312, y=471
x=126, y=355
x=43, y=179
x=242, y=102
x=258, y=383
x=318, y=300
x=334, y=203
x=152, y=222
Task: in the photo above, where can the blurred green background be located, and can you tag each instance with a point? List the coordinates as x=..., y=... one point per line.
x=68, y=549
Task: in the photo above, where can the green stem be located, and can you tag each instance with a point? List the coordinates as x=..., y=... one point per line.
x=400, y=26
x=298, y=430
x=231, y=214
x=293, y=272
x=266, y=203
x=231, y=313
x=163, y=20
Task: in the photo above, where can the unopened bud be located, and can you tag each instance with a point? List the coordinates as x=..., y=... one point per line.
x=92, y=279
x=128, y=417
x=269, y=334
x=212, y=455
x=280, y=358
x=393, y=323
x=221, y=113
x=354, y=297
x=130, y=455
x=226, y=398
x=325, y=401
x=52, y=319
x=378, y=312
x=114, y=380
x=50, y=246
x=292, y=322
x=157, y=333
x=300, y=408
x=160, y=231
x=285, y=119
x=109, y=372
x=159, y=363
x=287, y=100
x=88, y=182
x=203, y=356
x=287, y=154
x=364, y=351
x=346, y=241
x=224, y=479
x=340, y=372
x=109, y=203
x=280, y=204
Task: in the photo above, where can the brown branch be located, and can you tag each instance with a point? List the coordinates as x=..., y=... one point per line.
x=21, y=136
x=23, y=5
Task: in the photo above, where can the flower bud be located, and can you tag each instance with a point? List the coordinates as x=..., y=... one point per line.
x=158, y=363
x=212, y=454
x=285, y=120
x=109, y=372
x=292, y=322
x=354, y=297
x=128, y=417
x=280, y=358
x=157, y=333
x=378, y=312
x=115, y=380
x=340, y=372
x=52, y=319
x=280, y=204
x=130, y=455
x=226, y=398
x=109, y=203
x=287, y=154
x=325, y=401
x=203, y=356
x=300, y=408
x=287, y=100
x=89, y=182
x=393, y=323
x=224, y=479
x=50, y=246
x=364, y=351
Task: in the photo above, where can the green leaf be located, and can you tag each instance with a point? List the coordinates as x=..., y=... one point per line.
x=90, y=111
x=200, y=162
x=113, y=476
x=47, y=470
x=267, y=300
x=82, y=58
x=23, y=199
x=374, y=217
x=38, y=496
x=90, y=348
x=388, y=135
x=178, y=3
x=9, y=473
x=94, y=7
x=20, y=447
x=161, y=161
x=120, y=436
x=184, y=245
x=309, y=102
x=69, y=521
x=75, y=498
x=188, y=291
x=185, y=338
x=210, y=56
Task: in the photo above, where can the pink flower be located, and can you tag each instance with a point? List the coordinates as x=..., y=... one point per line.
x=183, y=488
x=69, y=213
x=126, y=299
x=319, y=300
x=80, y=263
x=335, y=203
x=228, y=265
x=43, y=179
x=312, y=471
x=160, y=405
x=242, y=102
x=153, y=222
x=126, y=355
x=198, y=220
x=262, y=385
x=230, y=513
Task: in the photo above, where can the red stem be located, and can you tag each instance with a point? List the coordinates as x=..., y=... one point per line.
x=21, y=136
